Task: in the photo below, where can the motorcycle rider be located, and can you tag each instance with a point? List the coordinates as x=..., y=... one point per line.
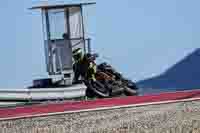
x=92, y=67
x=77, y=66
x=84, y=65
x=86, y=68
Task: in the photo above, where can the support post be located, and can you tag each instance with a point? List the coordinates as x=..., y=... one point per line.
x=83, y=29
x=89, y=46
x=49, y=42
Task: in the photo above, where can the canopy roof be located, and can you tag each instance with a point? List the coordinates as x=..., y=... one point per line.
x=60, y=6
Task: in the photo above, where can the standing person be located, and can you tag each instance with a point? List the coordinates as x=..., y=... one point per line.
x=78, y=58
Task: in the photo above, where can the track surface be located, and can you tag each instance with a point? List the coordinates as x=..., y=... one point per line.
x=37, y=110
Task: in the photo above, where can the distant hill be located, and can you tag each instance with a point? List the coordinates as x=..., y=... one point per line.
x=184, y=75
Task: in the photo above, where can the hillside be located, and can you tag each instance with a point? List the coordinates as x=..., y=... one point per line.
x=184, y=75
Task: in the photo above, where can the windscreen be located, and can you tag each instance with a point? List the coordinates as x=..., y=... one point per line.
x=57, y=22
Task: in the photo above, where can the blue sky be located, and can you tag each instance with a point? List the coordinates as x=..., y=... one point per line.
x=140, y=38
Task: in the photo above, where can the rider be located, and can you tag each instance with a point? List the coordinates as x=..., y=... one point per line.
x=92, y=67
x=84, y=65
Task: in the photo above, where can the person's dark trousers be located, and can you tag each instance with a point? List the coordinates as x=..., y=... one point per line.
x=77, y=72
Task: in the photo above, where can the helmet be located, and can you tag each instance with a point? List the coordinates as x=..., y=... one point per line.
x=92, y=57
x=77, y=53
